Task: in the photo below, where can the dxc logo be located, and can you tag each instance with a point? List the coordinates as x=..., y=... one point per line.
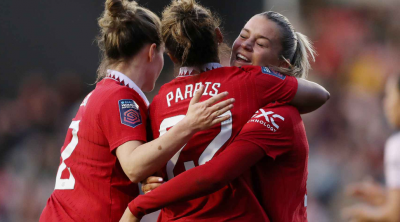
x=268, y=118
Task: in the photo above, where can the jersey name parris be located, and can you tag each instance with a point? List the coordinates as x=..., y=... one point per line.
x=188, y=91
x=252, y=89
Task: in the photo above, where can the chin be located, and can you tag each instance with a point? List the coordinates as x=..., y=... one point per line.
x=240, y=64
x=235, y=63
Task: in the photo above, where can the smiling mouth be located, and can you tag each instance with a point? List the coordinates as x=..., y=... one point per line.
x=242, y=58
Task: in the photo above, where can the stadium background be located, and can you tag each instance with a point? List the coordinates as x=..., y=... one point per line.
x=49, y=59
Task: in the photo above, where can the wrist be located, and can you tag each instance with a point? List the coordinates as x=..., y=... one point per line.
x=135, y=210
x=186, y=127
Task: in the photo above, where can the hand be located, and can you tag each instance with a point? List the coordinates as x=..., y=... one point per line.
x=367, y=191
x=128, y=217
x=361, y=213
x=151, y=183
x=204, y=115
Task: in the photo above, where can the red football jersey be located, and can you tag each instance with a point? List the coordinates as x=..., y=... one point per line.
x=279, y=180
x=252, y=87
x=90, y=183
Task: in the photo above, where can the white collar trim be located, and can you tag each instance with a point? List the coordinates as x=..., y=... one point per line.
x=120, y=77
x=187, y=71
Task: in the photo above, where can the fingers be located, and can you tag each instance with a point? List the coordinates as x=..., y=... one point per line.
x=220, y=112
x=214, y=99
x=150, y=186
x=220, y=119
x=153, y=179
x=197, y=95
x=222, y=105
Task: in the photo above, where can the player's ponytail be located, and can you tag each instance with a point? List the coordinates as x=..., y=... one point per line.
x=188, y=30
x=125, y=29
x=304, y=51
x=297, y=49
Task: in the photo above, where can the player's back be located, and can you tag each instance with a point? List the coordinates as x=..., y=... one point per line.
x=90, y=183
x=252, y=88
x=279, y=179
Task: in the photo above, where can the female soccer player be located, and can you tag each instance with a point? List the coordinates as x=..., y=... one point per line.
x=105, y=149
x=275, y=132
x=382, y=204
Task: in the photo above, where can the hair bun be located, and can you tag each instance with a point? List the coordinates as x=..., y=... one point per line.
x=186, y=9
x=117, y=8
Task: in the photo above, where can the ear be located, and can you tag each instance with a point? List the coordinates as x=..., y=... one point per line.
x=284, y=63
x=173, y=59
x=152, y=52
x=220, y=37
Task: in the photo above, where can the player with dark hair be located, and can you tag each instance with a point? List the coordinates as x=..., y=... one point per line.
x=105, y=150
x=273, y=141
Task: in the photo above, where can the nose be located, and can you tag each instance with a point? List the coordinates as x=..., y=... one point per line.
x=247, y=45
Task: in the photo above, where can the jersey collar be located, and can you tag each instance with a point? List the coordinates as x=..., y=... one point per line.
x=187, y=71
x=125, y=80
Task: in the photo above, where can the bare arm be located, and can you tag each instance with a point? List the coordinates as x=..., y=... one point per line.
x=201, y=180
x=140, y=160
x=309, y=96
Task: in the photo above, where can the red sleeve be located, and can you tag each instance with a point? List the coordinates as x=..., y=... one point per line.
x=202, y=180
x=123, y=118
x=271, y=129
x=272, y=86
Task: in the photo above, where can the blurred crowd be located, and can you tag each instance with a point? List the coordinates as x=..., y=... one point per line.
x=358, y=48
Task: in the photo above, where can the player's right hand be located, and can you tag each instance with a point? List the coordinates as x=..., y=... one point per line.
x=204, y=115
x=151, y=183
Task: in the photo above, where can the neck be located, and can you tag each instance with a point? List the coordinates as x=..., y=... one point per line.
x=189, y=71
x=134, y=70
x=215, y=60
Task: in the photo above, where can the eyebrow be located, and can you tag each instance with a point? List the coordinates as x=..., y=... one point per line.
x=258, y=36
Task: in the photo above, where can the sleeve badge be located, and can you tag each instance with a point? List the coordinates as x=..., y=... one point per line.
x=129, y=113
x=268, y=71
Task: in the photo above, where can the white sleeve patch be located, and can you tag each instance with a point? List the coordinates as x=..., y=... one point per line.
x=392, y=161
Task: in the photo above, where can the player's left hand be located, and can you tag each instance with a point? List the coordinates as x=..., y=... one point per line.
x=151, y=183
x=128, y=217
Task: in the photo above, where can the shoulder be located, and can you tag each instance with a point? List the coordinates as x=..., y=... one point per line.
x=112, y=95
x=264, y=71
x=274, y=119
x=110, y=89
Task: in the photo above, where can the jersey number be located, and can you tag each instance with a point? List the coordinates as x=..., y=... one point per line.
x=208, y=153
x=68, y=184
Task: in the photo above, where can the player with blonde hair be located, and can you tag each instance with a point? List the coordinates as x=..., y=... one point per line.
x=273, y=140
